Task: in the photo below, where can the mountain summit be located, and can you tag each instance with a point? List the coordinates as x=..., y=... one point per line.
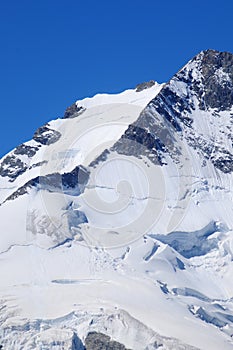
x=116, y=220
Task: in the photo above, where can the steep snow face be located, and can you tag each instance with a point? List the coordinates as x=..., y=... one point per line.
x=58, y=137
x=189, y=133
x=54, y=160
x=123, y=219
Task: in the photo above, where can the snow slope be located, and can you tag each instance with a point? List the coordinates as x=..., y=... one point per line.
x=118, y=219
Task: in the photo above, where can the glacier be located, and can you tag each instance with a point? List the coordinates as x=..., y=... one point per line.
x=116, y=220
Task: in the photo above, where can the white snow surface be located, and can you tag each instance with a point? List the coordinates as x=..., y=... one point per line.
x=125, y=273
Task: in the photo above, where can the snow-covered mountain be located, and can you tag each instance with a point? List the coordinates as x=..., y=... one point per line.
x=116, y=220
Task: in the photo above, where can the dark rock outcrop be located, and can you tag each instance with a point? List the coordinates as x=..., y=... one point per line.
x=100, y=341
x=13, y=166
x=217, y=80
x=23, y=149
x=73, y=111
x=205, y=83
x=69, y=183
x=46, y=136
x=145, y=85
x=137, y=140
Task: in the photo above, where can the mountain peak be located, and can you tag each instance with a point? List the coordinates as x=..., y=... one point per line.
x=196, y=103
x=215, y=57
x=121, y=212
x=210, y=75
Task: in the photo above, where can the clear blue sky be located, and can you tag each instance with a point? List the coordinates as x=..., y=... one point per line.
x=55, y=52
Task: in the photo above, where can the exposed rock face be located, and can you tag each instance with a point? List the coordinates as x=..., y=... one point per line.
x=217, y=81
x=73, y=111
x=19, y=160
x=51, y=249
x=204, y=85
x=145, y=85
x=137, y=140
x=100, y=341
x=13, y=166
x=74, y=180
x=46, y=136
x=23, y=149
